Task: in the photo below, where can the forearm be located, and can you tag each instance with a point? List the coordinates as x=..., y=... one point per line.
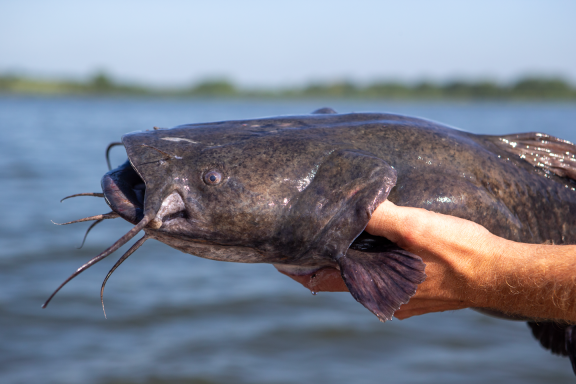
x=537, y=281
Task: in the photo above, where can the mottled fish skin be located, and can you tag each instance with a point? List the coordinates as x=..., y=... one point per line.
x=299, y=190
x=438, y=168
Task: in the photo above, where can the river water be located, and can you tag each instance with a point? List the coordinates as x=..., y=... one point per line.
x=176, y=318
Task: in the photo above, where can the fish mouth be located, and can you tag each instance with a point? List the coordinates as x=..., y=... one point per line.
x=124, y=191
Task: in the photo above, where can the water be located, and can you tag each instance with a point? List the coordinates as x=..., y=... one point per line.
x=176, y=318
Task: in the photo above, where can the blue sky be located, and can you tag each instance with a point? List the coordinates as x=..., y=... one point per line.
x=269, y=43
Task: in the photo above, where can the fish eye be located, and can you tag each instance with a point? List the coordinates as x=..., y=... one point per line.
x=212, y=177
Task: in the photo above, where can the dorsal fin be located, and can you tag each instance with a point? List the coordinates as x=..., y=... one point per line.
x=541, y=150
x=324, y=111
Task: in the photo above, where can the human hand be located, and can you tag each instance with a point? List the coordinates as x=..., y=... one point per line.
x=457, y=253
x=467, y=266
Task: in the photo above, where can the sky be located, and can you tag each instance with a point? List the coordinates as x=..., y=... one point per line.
x=282, y=43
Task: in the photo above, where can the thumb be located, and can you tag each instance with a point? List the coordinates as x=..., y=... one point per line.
x=402, y=225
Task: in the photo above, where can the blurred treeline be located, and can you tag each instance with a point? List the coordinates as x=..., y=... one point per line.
x=530, y=88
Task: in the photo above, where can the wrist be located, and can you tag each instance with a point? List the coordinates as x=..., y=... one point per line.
x=486, y=272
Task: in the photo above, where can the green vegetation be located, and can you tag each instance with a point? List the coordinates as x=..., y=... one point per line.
x=530, y=88
x=99, y=84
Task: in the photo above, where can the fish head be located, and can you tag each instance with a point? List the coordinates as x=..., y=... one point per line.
x=291, y=191
x=249, y=191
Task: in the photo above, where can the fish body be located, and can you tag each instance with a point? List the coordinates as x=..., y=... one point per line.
x=298, y=191
x=267, y=166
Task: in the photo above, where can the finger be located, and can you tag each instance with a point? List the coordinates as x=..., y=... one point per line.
x=326, y=279
x=386, y=221
x=404, y=313
x=405, y=226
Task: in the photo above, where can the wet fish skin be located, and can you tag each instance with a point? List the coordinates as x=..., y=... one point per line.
x=438, y=168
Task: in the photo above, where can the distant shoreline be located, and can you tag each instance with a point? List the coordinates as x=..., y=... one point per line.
x=529, y=88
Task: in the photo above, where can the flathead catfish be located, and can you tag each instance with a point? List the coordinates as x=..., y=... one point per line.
x=298, y=192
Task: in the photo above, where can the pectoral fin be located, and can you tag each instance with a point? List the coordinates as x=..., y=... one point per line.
x=382, y=281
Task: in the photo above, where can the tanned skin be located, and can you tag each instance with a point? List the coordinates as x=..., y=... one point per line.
x=467, y=266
